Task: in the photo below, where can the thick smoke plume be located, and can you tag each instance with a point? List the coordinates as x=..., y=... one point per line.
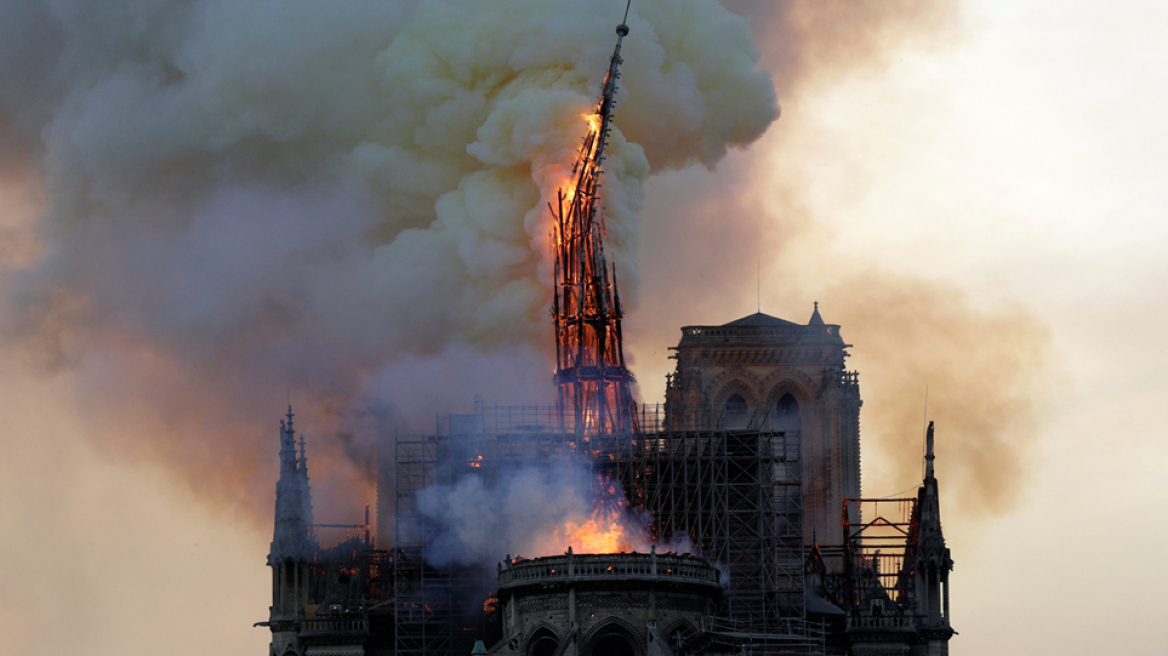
x=987, y=366
x=246, y=201
x=533, y=511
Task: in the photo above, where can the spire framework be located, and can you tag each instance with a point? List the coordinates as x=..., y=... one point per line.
x=595, y=386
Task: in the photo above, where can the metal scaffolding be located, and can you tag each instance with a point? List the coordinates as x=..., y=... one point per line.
x=736, y=494
x=440, y=610
x=880, y=545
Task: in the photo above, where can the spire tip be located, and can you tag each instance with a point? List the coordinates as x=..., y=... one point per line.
x=929, y=457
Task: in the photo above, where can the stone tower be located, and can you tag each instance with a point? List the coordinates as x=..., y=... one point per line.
x=762, y=372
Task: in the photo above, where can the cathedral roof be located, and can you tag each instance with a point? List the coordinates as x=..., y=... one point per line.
x=760, y=329
x=817, y=605
x=760, y=319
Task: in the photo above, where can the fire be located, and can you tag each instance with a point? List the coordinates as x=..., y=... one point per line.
x=593, y=121
x=594, y=384
x=598, y=535
x=611, y=528
x=566, y=189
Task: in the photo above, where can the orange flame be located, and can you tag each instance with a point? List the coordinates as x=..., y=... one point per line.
x=611, y=528
x=568, y=186
x=598, y=535
x=593, y=121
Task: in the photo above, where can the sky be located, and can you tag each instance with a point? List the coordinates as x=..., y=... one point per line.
x=1007, y=153
x=1024, y=162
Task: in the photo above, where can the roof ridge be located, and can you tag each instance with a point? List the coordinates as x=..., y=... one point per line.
x=760, y=319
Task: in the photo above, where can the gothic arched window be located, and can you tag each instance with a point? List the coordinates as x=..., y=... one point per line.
x=787, y=417
x=734, y=414
x=543, y=643
x=613, y=640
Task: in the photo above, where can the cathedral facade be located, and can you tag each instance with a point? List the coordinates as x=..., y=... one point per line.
x=762, y=371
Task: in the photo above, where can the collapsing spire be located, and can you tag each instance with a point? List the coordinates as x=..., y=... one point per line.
x=594, y=383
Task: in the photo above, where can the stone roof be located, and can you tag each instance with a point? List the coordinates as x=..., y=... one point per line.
x=760, y=319
x=817, y=605
x=816, y=320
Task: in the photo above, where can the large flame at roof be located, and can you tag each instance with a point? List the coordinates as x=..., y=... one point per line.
x=611, y=528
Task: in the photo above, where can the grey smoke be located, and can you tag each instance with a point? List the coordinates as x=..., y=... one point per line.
x=525, y=512
x=249, y=198
x=479, y=523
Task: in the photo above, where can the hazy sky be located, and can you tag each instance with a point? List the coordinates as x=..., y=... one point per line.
x=1018, y=157
x=1026, y=161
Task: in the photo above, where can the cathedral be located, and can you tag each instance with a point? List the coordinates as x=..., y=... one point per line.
x=752, y=462
x=754, y=456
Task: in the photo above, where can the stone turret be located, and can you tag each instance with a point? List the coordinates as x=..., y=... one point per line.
x=293, y=545
x=293, y=536
x=931, y=564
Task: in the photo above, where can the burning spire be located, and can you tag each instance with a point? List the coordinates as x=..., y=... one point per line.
x=594, y=384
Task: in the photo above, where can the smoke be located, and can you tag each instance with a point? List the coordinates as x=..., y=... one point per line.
x=238, y=203
x=532, y=511
x=812, y=45
x=987, y=371
x=247, y=202
x=986, y=363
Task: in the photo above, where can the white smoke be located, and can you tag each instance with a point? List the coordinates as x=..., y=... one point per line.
x=533, y=511
x=251, y=197
x=478, y=524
